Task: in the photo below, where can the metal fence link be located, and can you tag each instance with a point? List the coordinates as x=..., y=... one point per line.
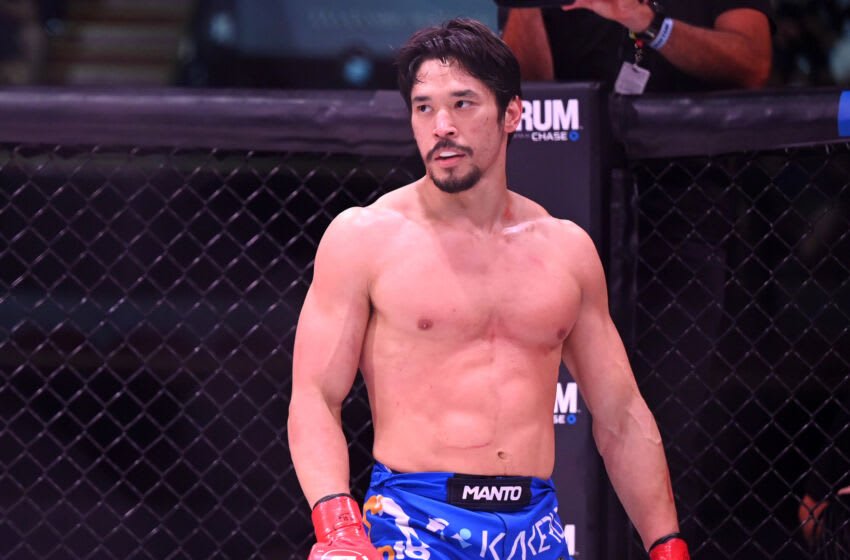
x=742, y=346
x=147, y=310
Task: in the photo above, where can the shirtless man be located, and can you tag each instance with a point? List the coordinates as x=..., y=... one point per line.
x=455, y=286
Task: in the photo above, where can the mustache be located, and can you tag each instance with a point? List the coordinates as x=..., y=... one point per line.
x=446, y=143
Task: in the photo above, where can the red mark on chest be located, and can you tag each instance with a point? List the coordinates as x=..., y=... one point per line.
x=425, y=324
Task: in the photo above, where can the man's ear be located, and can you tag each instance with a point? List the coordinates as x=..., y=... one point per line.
x=513, y=113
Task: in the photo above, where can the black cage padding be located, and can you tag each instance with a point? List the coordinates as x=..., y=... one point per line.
x=354, y=122
x=666, y=125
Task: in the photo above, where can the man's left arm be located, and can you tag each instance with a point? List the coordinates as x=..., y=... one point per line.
x=736, y=51
x=624, y=429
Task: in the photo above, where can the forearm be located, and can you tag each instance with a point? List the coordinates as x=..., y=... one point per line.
x=634, y=459
x=717, y=56
x=318, y=448
x=734, y=51
x=525, y=34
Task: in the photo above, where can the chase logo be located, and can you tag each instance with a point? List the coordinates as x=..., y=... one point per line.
x=566, y=404
x=550, y=120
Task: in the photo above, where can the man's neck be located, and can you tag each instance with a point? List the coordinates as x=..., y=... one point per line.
x=483, y=208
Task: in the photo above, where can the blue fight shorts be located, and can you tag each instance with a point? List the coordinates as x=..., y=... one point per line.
x=444, y=516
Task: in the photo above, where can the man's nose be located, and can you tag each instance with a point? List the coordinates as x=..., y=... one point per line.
x=443, y=125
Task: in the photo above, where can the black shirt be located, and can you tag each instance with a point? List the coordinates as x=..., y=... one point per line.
x=588, y=47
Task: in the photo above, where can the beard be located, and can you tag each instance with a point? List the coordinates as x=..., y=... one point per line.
x=453, y=183
x=457, y=183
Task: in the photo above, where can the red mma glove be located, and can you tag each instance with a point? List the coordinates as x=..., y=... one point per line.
x=339, y=531
x=669, y=547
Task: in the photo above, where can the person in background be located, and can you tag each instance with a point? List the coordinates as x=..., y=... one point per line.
x=684, y=45
x=663, y=46
x=23, y=43
x=824, y=510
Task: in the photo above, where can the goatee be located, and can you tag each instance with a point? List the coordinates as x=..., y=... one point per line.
x=453, y=184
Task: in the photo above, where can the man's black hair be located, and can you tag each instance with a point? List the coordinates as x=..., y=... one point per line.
x=473, y=46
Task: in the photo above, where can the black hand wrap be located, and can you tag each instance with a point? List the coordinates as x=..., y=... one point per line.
x=664, y=539
x=331, y=497
x=532, y=3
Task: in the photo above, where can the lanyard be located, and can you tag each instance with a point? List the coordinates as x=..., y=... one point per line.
x=632, y=78
x=638, y=48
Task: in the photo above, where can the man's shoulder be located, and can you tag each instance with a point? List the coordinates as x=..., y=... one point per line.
x=575, y=242
x=569, y=241
x=396, y=204
x=358, y=224
x=565, y=230
x=360, y=220
x=574, y=232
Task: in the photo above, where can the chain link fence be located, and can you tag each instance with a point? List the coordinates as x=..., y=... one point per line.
x=148, y=299
x=146, y=323
x=741, y=338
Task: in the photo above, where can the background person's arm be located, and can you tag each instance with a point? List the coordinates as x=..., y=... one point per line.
x=623, y=427
x=525, y=34
x=328, y=341
x=810, y=512
x=737, y=51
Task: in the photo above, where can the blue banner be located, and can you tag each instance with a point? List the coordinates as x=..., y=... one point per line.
x=844, y=114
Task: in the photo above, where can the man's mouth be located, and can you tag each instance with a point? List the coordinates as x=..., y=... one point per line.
x=447, y=151
x=448, y=155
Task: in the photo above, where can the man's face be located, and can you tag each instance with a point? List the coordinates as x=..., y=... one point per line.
x=457, y=125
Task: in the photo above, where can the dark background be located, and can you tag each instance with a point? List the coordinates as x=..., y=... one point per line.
x=149, y=292
x=317, y=44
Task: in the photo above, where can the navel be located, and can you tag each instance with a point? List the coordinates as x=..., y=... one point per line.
x=425, y=324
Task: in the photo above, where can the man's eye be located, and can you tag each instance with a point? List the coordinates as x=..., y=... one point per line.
x=423, y=108
x=463, y=103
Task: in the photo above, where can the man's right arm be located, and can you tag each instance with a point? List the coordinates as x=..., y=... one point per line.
x=735, y=51
x=525, y=34
x=328, y=341
x=624, y=429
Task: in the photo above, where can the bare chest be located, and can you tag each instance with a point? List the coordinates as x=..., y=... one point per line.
x=519, y=289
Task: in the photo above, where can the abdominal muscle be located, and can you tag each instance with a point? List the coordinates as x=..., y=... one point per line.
x=477, y=408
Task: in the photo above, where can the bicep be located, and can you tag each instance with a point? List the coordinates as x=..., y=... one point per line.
x=597, y=360
x=327, y=346
x=333, y=320
x=593, y=351
x=749, y=23
x=525, y=34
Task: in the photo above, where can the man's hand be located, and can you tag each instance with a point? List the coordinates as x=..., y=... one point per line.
x=339, y=530
x=735, y=52
x=632, y=14
x=669, y=548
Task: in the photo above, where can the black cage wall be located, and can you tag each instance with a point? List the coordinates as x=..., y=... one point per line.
x=147, y=318
x=740, y=309
x=148, y=305
x=156, y=248
x=741, y=335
